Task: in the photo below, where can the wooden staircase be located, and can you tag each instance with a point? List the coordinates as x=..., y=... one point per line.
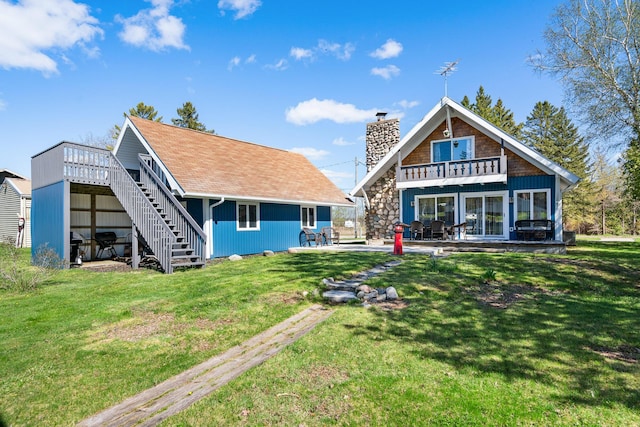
x=182, y=254
x=165, y=228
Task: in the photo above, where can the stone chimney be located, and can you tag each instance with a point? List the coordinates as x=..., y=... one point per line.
x=381, y=136
x=384, y=209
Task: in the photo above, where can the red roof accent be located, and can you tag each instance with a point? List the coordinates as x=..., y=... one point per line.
x=204, y=163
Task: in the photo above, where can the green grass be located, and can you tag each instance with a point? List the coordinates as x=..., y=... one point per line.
x=549, y=340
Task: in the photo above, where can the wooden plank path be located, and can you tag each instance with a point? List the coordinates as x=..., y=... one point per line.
x=154, y=405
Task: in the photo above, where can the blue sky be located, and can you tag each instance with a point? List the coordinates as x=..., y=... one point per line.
x=299, y=75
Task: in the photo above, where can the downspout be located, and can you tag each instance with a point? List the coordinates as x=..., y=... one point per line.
x=210, y=233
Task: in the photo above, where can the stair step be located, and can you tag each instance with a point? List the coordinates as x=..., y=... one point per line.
x=187, y=250
x=187, y=264
x=192, y=258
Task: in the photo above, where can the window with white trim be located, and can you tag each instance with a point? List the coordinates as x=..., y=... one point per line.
x=248, y=216
x=532, y=204
x=308, y=216
x=452, y=149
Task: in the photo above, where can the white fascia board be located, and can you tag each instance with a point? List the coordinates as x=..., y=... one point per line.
x=390, y=157
x=121, y=134
x=514, y=145
x=236, y=197
x=10, y=182
x=484, y=126
x=500, y=178
x=129, y=124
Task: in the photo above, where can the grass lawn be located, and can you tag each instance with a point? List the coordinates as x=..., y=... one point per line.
x=553, y=340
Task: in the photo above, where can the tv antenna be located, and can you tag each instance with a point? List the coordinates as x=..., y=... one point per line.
x=445, y=70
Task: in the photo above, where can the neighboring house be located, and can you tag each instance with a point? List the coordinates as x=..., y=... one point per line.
x=15, y=209
x=187, y=195
x=457, y=167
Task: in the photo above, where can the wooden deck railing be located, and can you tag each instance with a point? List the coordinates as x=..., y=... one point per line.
x=144, y=216
x=86, y=165
x=455, y=169
x=168, y=203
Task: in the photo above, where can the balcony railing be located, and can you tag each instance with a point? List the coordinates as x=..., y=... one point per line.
x=86, y=165
x=489, y=169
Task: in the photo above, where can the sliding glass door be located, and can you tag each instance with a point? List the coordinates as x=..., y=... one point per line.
x=485, y=214
x=441, y=207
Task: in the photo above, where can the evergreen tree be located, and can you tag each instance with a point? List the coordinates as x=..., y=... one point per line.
x=497, y=114
x=503, y=118
x=141, y=110
x=482, y=106
x=144, y=112
x=631, y=169
x=466, y=103
x=549, y=131
x=188, y=118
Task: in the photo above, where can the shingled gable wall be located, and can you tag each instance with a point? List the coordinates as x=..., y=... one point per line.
x=384, y=203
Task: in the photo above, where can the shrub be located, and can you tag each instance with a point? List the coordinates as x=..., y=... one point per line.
x=489, y=275
x=17, y=275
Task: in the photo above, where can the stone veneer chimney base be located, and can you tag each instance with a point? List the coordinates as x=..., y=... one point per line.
x=384, y=203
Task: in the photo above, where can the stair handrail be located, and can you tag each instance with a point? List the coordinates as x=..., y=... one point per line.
x=145, y=217
x=168, y=201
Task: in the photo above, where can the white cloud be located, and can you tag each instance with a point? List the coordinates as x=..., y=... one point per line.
x=338, y=178
x=386, y=72
x=281, y=65
x=408, y=104
x=154, y=29
x=3, y=105
x=314, y=110
x=390, y=49
x=300, y=53
x=342, y=52
x=235, y=61
x=310, y=152
x=28, y=28
x=242, y=8
x=341, y=142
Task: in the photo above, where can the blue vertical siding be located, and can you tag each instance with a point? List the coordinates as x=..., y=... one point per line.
x=323, y=217
x=194, y=207
x=279, y=229
x=513, y=184
x=47, y=218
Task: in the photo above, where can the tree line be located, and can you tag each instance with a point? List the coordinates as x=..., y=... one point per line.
x=602, y=202
x=187, y=117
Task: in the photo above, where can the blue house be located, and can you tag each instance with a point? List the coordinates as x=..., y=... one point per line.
x=186, y=196
x=454, y=166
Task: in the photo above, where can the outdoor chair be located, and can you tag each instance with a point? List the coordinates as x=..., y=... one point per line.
x=416, y=230
x=460, y=230
x=438, y=230
x=307, y=237
x=330, y=236
x=105, y=241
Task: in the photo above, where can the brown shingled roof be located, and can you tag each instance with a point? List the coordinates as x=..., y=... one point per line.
x=209, y=164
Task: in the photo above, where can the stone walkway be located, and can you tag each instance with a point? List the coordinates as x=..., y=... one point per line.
x=154, y=405
x=347, y=290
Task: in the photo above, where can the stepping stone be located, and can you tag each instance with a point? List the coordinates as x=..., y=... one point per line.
x=339, y=296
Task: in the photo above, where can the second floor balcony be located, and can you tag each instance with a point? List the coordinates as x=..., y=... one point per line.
x=458, y=172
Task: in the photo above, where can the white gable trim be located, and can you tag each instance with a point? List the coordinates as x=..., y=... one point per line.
x=430, y=121
x=128, y=124
x=17, y=190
